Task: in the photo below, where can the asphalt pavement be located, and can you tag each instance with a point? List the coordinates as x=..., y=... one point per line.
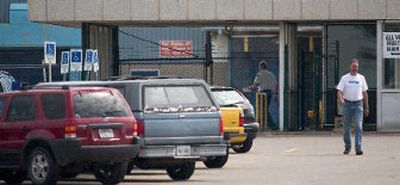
x=291, y=160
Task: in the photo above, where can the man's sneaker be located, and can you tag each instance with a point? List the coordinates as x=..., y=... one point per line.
x=359, y=152
x=347, y=151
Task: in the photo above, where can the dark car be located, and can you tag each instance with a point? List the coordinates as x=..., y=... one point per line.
x=47, y=134
x=233, y=96
x=179, y=123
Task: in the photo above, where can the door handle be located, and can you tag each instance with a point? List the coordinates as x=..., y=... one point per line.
x=182, y=116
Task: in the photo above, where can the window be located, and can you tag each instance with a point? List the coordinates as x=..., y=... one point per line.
x=391, y=67
x=99, y=104
x=54, y=106
x=22, y=108
x=228, y=97
x=176, y=96
x=351, y=41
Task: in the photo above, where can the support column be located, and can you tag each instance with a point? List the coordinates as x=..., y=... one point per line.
x=281, y=76
x=379, y=73
x=288, y=76
x=105, y=40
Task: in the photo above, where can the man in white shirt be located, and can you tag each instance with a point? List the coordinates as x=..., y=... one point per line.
x=352, y=94
x=266, y=83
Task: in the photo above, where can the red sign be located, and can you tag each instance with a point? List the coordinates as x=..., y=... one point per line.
x=176, y=48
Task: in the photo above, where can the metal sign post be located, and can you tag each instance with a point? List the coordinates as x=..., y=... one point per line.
x=50, y=73
x=50, y=50
x=44, y=72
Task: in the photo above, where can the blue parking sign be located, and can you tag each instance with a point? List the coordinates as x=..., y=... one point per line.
x=65, y=57
x=76, y=60
x=65, y=62
x=50, y=51
x=76, y=56
x=95, y=60
x=88, y=60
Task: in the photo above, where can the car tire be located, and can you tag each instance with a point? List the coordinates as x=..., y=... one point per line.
x=216, y=161
x=244, y=147
x=181, y=172
x=130, y=167
x=42, y=168
x=111, y=174
x=14, y=178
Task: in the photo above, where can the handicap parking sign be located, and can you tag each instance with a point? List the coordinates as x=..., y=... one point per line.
x=65, y=55
x=95, y=57
x=76, y=60
x=88, y=60
x=50, y=50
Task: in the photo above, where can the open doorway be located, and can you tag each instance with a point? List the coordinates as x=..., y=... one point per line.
x=309, y=42
x=344, y=42
x=247, y=51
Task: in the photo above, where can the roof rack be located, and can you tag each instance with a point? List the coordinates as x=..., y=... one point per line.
x=64, y=87
x=120, y=78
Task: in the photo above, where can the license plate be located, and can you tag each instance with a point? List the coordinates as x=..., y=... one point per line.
x=106, y=133
x=183, y=150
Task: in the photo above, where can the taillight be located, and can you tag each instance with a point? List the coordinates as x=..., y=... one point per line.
x=221, y=126
x=140, y=128
x=241, y=119
x=70, y=130
x=135, y=128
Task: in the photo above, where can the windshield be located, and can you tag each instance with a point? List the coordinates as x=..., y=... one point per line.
x=177, y=99
x=229, y=97
x=99, y=104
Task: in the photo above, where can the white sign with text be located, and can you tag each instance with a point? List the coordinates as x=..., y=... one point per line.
x=391, y=45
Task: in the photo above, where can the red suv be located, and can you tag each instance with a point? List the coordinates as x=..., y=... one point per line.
x=47, y=134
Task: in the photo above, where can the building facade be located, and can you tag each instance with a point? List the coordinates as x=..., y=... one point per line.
x=307, y=43
x=21, y=43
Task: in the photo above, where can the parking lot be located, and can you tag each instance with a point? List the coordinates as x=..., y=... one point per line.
x=291, y=160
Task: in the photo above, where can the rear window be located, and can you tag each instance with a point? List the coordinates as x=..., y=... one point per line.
x=176, y=98
x=54, y=106
x=228, y=97
x=99, y=104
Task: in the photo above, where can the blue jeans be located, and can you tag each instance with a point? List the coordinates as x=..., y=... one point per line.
x=352, y=112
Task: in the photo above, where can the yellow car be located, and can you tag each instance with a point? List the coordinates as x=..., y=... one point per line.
x=233, y=120
x=232, y=117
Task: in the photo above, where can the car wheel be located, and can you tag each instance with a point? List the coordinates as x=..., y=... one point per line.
x=111, y=174
x=181, y=172
x=216, y=161
x=14, y=178
x=42, y=168
x=244, y=147
x=130, y=167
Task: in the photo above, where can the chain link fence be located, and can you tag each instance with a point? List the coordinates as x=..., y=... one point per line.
x=217, y=74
